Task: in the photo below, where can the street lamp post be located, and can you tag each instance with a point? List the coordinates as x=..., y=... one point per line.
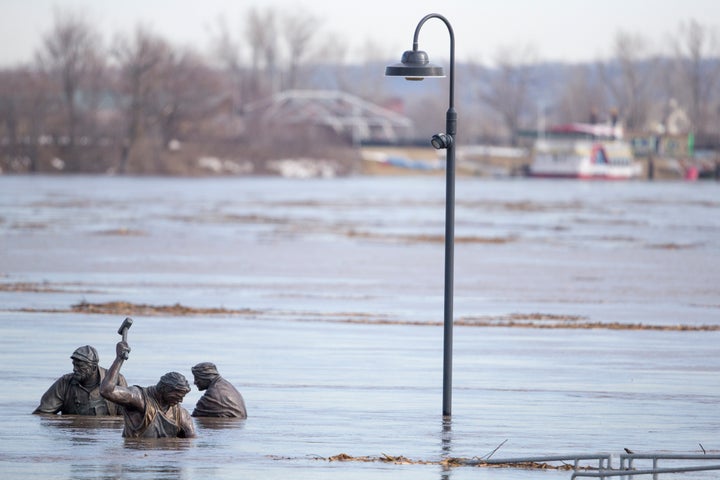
x=416, y=66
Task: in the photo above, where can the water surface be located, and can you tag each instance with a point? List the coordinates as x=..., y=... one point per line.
x=332, y=300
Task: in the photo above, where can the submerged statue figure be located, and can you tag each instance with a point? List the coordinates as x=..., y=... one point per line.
x=78, y=393
x=221, y=399
x=150, y=412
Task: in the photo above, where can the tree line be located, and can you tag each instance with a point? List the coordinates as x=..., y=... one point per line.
x=141, y=104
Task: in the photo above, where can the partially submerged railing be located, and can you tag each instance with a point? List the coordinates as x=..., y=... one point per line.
x=652, y=471
x=604, y=467
x=627, y=469
x=629, y=458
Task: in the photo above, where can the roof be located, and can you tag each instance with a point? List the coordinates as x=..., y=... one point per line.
x=340, y=111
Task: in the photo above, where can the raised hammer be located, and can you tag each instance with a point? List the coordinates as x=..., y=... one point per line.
x=126, y=324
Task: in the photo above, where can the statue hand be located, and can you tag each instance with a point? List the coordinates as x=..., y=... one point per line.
x=122, y=350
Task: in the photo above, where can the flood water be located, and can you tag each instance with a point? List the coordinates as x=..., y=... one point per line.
x=587, y=321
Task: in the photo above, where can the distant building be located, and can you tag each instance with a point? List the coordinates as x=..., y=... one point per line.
x=328, y=115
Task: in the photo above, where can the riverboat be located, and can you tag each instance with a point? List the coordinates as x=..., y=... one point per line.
x=584, y=155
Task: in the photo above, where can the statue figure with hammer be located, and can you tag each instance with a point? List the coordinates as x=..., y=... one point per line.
x=149, y=412
x=78, y=393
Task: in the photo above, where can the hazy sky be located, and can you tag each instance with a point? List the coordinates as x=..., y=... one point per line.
x=569, y=30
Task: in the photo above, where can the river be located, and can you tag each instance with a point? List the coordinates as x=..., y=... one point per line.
x=587, y=320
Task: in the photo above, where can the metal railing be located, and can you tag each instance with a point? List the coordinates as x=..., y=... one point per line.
x=630, y=457
x=653, y=471
x=627, y=470
x=604, y=467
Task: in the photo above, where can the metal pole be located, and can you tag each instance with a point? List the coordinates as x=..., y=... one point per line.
x=449, y=266
x=451, y=130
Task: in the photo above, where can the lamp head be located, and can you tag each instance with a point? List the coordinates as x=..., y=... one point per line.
x=414, y=65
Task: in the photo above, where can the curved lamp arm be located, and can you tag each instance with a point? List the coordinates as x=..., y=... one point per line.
x=452, y=49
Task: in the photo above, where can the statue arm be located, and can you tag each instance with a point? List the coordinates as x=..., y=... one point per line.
x=113, y=390
x=53, y=399
x=187, y=426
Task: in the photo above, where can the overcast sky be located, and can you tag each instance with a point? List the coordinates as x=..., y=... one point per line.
x=566, y=30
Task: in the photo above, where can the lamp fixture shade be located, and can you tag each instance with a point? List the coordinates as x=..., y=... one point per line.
x=414, y=66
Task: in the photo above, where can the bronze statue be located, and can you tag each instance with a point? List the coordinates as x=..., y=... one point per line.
x=221, y=399
x=78, y=393
x=149, y=412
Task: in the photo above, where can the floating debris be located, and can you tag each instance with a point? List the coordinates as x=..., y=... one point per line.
x=445, y=462
x=45, y=287
x=28, y=287
x=126, y=308
x=426, y=238
x=122, y=232
x=513, y=320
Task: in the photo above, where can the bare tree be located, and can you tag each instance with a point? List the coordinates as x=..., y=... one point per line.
x=698, y=69
x=141, y=58
x=261, y=35
x=228, y=50
x=507, y=88
x=9, y=107
x=629, y=78
x=72, y=53
x=480, y=122
x=333, y=50
x=190, y=94
x=582, y=98
x=23, y=105
x=363, y=79
x=299, y=30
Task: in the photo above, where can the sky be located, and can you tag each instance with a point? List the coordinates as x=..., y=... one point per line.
x=556, y=30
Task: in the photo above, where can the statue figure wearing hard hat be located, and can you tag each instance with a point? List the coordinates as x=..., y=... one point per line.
x=78, y=393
